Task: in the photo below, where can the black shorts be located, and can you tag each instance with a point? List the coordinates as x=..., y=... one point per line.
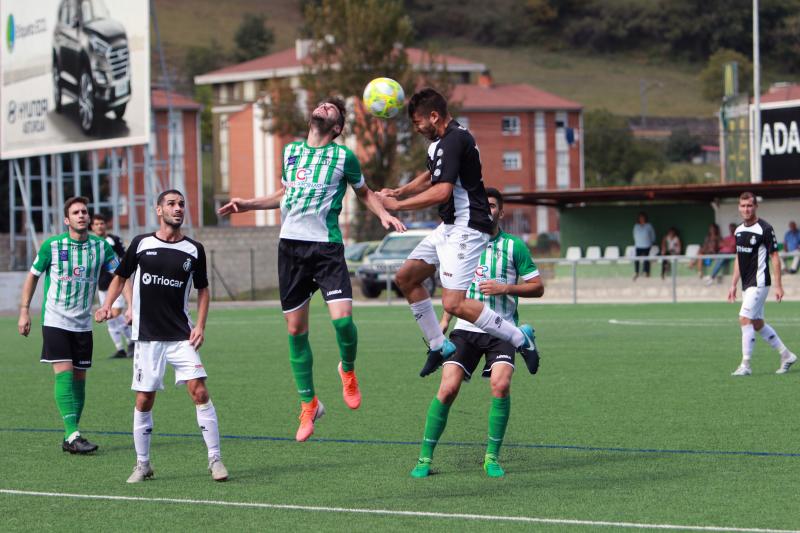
x=305, y=266
x=471, y=346
x=61, y=346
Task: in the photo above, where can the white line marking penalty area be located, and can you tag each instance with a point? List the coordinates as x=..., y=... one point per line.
x=387, y=512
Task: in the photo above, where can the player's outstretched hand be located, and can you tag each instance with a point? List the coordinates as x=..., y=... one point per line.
x=102, y=314
x=389, y=193
x=390, y=222
x=732, y=294
x=492, y=287
x=24, y=324
x=196, y=337
x=233, y=206
x=779, y=294
x=389, y=203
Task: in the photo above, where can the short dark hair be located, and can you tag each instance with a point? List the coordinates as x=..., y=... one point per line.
x=74, y=200
x=425, y=101
x=747, y=195
x=100, y=216
x=339, y=103
x=161, y=196
x=491, y=192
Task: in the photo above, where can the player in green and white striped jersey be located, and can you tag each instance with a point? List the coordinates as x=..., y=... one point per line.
x=71, y=263
x=316, y=173
x=505, y=272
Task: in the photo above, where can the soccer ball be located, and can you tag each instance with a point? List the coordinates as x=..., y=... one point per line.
x=383, y=97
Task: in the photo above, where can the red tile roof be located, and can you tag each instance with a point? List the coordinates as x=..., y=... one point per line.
x=287, y=59
x=781, y=93
x=509, y=97
x=158, y=100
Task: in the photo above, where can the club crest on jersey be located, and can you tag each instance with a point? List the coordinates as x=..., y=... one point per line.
x=302, y=174
x=291, y=160
x=63, y=255
x=187, y=265
x=753, y=239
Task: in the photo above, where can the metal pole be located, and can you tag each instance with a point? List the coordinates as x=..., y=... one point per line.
x=388, y=286
x=252, y=275
x=674, y=271
x=115, y=191
x=133, y=216
x=76, y=174
x=59, y=187
x=213, y=270
x=95, y=183
x=574, y=282
x=756, y=163
x=45, y=195
x=12, y=216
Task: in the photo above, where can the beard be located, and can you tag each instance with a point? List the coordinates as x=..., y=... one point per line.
x=323, y=125
x=173, y=223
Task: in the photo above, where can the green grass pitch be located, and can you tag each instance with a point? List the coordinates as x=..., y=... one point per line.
x=633, y=418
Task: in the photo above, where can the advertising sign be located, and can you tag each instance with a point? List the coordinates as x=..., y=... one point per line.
x=780, y=141
x=74, y=75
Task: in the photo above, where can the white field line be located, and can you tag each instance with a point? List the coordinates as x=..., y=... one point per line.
x=386, y=512
x=692, y=323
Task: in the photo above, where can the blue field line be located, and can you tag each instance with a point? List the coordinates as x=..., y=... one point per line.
x=416, y=443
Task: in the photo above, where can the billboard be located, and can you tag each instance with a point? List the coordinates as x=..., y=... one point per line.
x=74, y=75
x=780, y=141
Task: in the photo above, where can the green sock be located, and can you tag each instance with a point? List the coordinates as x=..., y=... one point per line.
x=79, y=397
x=347, y=338
x=65, y=402
x=302, y=362
x=498, y=420
x=434, y=427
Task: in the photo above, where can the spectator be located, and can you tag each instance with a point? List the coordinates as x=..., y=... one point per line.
x=726, y=246
x=670, y=245
x=791, y=244
x=710, y=247
x=644, y=236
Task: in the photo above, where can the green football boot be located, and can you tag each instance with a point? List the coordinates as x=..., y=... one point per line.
x=492, y=467
x=423, y=468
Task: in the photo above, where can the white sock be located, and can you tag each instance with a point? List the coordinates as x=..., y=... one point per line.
x=769, y=335
x=428, y=322
x=207, y=420
x=115, y=332
x=496, y=326
x=127, y=330
x=748, y=340
x=142, y=431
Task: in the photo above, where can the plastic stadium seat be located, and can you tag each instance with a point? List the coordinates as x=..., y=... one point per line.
x=655, y=250
x=692, y=250
x=611, y=252
x=593, y=252
x=630, y=251
x=573, y=253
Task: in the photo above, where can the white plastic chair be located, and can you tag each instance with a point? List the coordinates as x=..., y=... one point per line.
x=630, y=251
x=611, y=252
x=593, y=253
x=655, y=250
x=692, y=250
x=573, y=253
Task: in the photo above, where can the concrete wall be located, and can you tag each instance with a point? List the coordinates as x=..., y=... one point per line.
x=11, y=289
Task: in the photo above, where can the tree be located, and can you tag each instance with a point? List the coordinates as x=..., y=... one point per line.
x=253, y=38
x=682, y=146
x=712, y=76
x=202, y=59
x=356, y=41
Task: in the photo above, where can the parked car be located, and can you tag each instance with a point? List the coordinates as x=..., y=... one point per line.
x=386, y=261
x=91, y=61
x=356, y=253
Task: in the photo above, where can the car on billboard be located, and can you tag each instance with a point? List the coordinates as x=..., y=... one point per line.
x=380, y=267
x=91, y=61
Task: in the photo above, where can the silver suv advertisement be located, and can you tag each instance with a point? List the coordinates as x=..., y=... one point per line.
x=74, y=75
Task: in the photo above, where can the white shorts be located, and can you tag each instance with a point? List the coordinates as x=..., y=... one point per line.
x=150, y=361
x=456, y=250
x=753, y=299
x=119, y=303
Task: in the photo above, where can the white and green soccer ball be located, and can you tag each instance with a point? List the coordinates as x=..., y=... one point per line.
x=384, y=97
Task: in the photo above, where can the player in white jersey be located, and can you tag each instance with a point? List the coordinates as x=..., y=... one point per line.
x=316, y=173
x=505, y=272
x=756, y=247
x=71, y=263
x=454, y=182
x=163, y=267
x=118, y=328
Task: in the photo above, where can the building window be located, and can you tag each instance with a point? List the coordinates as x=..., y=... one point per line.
x=511, y=126
x=562, y=151
x=540, y=145
x=464, y=121
x=512, y=161
x=508, y=189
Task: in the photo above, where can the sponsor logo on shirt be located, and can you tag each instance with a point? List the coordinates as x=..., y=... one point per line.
x=63, y=255
x=151, y=252
x=154, y=279
x=302, y=174
x=744, y=249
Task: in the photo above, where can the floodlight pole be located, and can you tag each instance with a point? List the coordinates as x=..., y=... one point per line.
x=756, y=162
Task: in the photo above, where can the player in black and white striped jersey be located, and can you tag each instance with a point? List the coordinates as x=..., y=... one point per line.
x=756, y=247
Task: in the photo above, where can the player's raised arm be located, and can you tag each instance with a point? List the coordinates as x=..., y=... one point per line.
x=436, y=194
x=415, y=186
x=373, y=203
x=240, y=205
